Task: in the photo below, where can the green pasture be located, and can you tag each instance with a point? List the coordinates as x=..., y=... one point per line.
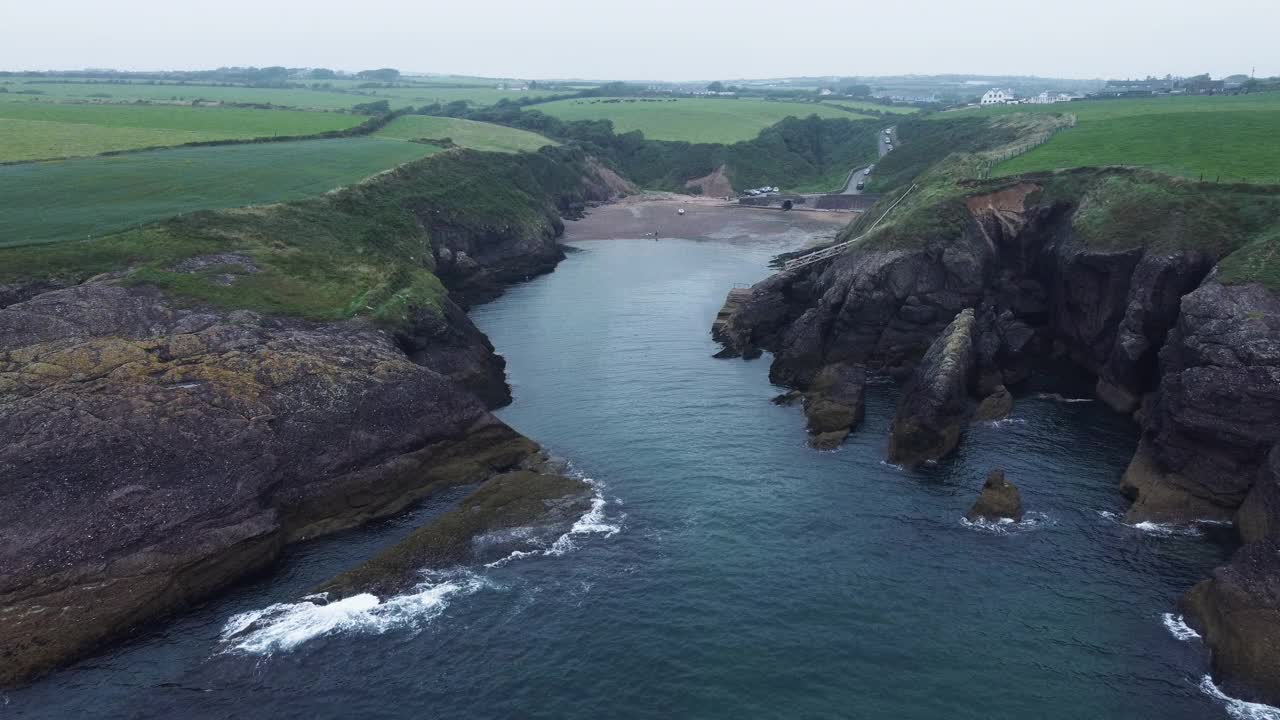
x=31, y=131
x=83, y=197
x=691, y=119
x=464, y=133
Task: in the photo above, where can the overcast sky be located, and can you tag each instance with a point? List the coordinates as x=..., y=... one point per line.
x=652, y=39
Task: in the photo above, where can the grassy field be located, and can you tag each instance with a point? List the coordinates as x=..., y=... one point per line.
x=464, y=133
x=691, y=120
x=73, y=199
x=31, y=131
x=874, y=107
x=318, y=99
x=362, y=250
x=1231, y=137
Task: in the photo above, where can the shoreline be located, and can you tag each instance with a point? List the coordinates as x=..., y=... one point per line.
x=654, y=216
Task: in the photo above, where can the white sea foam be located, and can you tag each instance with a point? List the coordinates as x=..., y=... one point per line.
x=1163, y=529
x=1005, y=421
x=1237, y=708
x=1058, y=398
x=593, y=522
x=1179, y=628
x=1004, y=526
x=284, y=626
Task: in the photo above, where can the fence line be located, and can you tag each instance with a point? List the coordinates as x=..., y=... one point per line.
x=833, y=250
x=1035, y=141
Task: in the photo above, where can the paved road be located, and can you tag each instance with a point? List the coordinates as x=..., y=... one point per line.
x=860, y=174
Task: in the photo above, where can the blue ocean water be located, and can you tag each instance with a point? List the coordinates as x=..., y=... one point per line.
x=730, y=571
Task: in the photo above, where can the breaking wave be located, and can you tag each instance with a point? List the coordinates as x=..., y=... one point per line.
x=592, y=522
x=283, y=627
x=1237, y=708
x=1162, y=529
x=1005, y=421
x=1179, y=628
x=1005, y=526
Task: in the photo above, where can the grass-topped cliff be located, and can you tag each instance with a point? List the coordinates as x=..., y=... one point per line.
x=363, y=250
x=1113, y=208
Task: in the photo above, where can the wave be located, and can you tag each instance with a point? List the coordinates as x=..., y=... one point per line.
x=1004, y=526
x=283, y=627
x=1193, y=529
x=1178, y=627
x=1237, y=708
x=592, y=522
x=1005, y=421
x=1059, y=398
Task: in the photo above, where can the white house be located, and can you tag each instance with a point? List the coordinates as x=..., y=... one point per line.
x=995, y=96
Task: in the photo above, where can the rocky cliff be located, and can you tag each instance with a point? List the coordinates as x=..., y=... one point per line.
x=1120, y=271
x=934, y=405
x=162, y=443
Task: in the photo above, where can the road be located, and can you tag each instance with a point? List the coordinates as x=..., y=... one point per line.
x=885, y=141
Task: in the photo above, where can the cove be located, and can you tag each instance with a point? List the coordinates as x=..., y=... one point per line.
x=749, y=576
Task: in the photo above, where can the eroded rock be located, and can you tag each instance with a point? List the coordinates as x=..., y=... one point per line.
x=177, y=450
x=834, y=404
x=999, y=500
x=995, y=406
x=933, y=408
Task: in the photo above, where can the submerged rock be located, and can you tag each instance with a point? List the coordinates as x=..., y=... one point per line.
x=995, y=406
x=999, y=500
x=932, y=411
x=834, y=404
x=542, y=504
x=790, y=397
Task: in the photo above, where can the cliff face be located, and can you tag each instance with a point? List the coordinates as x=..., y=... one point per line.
x=1131, y=290
x=1217, y=410
x=158, y=449
x=155, y=454
x=1036, y=288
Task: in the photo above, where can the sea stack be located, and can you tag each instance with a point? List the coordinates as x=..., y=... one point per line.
x=999, y=500
x=934, y=405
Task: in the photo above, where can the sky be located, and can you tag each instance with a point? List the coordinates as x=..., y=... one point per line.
x=652, y=39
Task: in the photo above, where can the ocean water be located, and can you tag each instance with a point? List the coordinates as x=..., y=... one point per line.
x=727, y=570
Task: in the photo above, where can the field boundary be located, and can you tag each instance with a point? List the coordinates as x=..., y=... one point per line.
x=993, y=158
x=368, y=127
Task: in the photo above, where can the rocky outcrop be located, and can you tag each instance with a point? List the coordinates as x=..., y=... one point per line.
x=995, y=406
x=519, y=510
x=999, y=500
x=155, y=454
x=449, y=343
x=1016, y=260
x=934, y=404
x=1217, y=411
x=1237, y=612
x=834, y=404
x=477, y=254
